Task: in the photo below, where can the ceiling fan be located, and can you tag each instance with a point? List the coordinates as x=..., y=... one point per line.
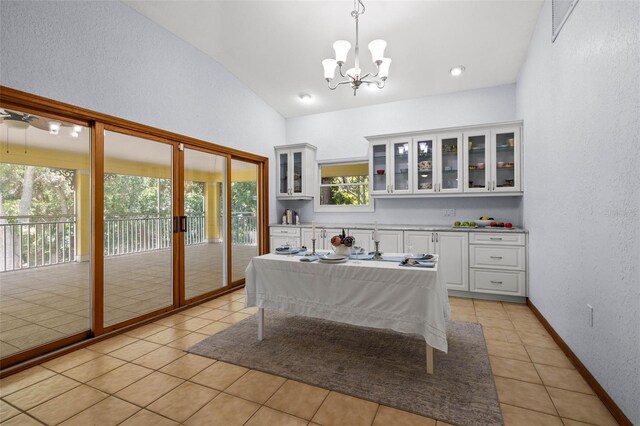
x=19, y=120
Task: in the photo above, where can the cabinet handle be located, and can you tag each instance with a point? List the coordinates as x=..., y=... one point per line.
x=496, y=238
x=373, y=236
x=437, y=238
x=391, y=188
x=496, y=282
x=432, y=237
x=494, y=185
x=495, y=257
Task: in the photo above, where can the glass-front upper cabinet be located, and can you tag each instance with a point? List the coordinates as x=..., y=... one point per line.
x=378, y=160
x=295, y=170
x=400, y=163
x=449, y=163
x=477, y=163
x=423, y=167
x=505, y=153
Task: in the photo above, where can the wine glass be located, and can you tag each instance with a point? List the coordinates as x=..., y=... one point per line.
x=410, y=253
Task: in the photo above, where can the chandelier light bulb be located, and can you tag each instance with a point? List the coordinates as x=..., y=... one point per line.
x=329, y=68
x=384, y=68
x=341, y=48
x=54, y=127
x=377, y=50
x=457, y=71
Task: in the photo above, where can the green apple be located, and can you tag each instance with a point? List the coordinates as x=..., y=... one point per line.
x=472, y=224
x=456, y=223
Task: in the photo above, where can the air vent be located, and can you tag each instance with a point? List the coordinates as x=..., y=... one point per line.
x=560, y=11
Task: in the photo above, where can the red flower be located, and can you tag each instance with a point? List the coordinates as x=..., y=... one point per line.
x=336, y=241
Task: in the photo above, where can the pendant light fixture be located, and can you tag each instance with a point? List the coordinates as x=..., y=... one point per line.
x=354, y=76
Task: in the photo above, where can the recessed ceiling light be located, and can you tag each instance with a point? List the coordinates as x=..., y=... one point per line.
x=457, y=71
x=305, y=98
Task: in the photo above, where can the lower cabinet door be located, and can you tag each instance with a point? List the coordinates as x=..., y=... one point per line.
x=364, y=238
x=391, y=242
x=419, y=242
x=453, y=259
x=307, y=235
x=498, y=282
x=278, y=241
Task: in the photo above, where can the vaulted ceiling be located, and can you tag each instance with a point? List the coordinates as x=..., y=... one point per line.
x=276, y=47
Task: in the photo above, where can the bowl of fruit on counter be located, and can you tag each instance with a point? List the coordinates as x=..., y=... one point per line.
x=459, y=224
x=484, y=221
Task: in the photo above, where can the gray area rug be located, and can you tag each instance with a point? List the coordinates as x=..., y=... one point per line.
x=377, y=365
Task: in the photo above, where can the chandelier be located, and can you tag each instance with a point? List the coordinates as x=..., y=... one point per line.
x=354, y=76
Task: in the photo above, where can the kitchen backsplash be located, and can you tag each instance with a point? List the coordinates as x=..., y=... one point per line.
x=413, y=211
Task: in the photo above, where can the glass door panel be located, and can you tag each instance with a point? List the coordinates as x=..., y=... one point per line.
x=45, y=231
x=400, y=158
x=477, y=163
x=203, y=229
x=450, y=164
x=504, y=152
x=138, y=226
x=283, y=174
x=297, y=172
x=424, y=165
x=379, y=168
x=244, y=216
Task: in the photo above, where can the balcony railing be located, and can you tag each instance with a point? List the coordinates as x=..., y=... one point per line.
x=30, y=241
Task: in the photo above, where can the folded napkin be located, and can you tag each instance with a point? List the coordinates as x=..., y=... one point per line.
x=308, y=258
x=419, y=264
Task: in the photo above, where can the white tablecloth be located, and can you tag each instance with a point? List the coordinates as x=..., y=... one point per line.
x=364, y=293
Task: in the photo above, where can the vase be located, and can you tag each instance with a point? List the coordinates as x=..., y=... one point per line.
x=342, y=249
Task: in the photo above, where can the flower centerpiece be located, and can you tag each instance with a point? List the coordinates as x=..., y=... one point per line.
x=342, y=243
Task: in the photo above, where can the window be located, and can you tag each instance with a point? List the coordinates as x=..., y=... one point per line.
x=343, y=187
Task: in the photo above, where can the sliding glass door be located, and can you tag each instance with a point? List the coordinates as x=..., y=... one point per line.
x=138, y=227
x=244, y=216
x=203, y=224
x=45, y=225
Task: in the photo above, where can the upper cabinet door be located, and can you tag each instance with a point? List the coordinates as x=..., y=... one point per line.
x=283, y=174
x=505, y=153
x=449, y=165
x=477, y=161
x=400, y=157
x=423, y=166
x=297, y=176
x=378, y=167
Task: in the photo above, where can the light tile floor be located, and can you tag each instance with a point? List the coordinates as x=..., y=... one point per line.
x=40, y=305
x=145, y=378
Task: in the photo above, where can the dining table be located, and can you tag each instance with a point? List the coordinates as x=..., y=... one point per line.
x=382, y=294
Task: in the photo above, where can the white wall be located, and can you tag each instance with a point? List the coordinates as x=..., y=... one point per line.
x=580, y=101
x=106, y=57
x=340, y=134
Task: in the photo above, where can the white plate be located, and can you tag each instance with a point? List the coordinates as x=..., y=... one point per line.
x=333, y=256
x=321, y=260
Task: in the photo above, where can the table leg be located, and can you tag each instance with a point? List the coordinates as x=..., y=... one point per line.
x=260, y=322
x=429, y=359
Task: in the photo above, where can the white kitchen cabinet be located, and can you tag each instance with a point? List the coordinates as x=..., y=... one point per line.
x=363, y=237
x=391, y=241
x=390, y=163
x=498, y=263
x=295, y=171
x=419, y=242
x=505, y=159
x=453, y=259
x=478, y=161
x=452, y=251
x=323, y=237
x=282, y=235
x=449, y=163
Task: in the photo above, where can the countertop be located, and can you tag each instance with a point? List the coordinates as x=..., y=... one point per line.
x=396, y=227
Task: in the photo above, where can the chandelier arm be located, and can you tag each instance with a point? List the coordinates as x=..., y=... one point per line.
x=340, y=70
x=339, y=84
x=366, y=75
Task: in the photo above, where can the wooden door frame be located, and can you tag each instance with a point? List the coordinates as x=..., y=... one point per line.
x=26, y=102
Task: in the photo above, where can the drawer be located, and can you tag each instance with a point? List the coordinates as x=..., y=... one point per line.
x=284, y=230
x=280, y=240
x=497, y=238
x=498, y=282
x=497, y=257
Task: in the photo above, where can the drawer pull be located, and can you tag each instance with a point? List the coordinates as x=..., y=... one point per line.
x=495, y=257
x=496, y=282
x=496, y=238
